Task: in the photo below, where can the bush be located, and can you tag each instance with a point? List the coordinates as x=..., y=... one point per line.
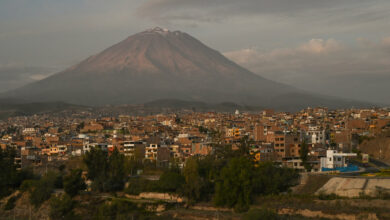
x=323, y=196
x=40, y=194
x=382, y=193
x=118, y=209
x=24, y=174
x=73, y=183
x=11, y=202
x=61, y=207
x=40, y=190
x=260, y=214
x=27, y=185
x=138, y=185
x=170, y=181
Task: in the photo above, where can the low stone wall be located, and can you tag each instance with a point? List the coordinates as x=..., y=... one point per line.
x=355, y=187
x=158, y=196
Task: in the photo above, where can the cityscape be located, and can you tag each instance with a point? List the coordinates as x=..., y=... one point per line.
x=194, y=110
x=314, y=143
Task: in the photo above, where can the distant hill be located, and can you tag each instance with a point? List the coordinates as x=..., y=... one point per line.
x=159, y=64
x=10, y=108
x=198, y=106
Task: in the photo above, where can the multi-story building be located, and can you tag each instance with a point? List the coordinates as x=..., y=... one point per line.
x=132, y=148
x=151, y=151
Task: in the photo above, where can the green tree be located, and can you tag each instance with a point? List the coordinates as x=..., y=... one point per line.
x=97, y=166
x=193, y=185
x=116, y=168
x=74, y=182
x=107, y=172
x=271, y=179
x=240, y=180
x=304, y=155
x=8, y=174
x=235, y=187
x=171, y=181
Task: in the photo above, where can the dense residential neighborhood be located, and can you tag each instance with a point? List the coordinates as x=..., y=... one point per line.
x=183, y=164
x=166, y=139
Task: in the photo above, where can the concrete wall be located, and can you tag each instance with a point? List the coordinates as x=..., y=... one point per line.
x=354, y=187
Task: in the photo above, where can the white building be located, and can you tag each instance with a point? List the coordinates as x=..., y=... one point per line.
x=62, y=149
x=316, y=135
x=29, y=131
x=87, y=147
x=334, y=159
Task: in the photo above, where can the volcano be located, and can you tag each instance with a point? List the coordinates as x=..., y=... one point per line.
x=159, y=64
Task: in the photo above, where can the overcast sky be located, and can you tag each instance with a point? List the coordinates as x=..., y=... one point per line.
x=335, y=47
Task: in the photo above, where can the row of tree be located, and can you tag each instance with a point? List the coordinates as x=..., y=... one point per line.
x=236, y=184
x=230, y=178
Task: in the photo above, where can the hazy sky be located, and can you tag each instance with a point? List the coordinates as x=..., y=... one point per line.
x=336, y=47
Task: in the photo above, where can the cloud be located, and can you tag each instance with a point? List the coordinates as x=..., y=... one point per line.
x=166, y=7
x=173, y=11
x=360, y=70
x=16, y=75
x=320, y=46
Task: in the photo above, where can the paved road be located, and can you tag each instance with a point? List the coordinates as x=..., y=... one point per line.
x=379, y=163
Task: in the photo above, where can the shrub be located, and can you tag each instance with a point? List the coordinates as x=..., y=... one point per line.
x=118, y=209
x=170, y=181
x=61, y=207
x=323, y=196
x=138, y=185
x=73, y=183
x=11, y=202
x=40, y=190
x=260, y=214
